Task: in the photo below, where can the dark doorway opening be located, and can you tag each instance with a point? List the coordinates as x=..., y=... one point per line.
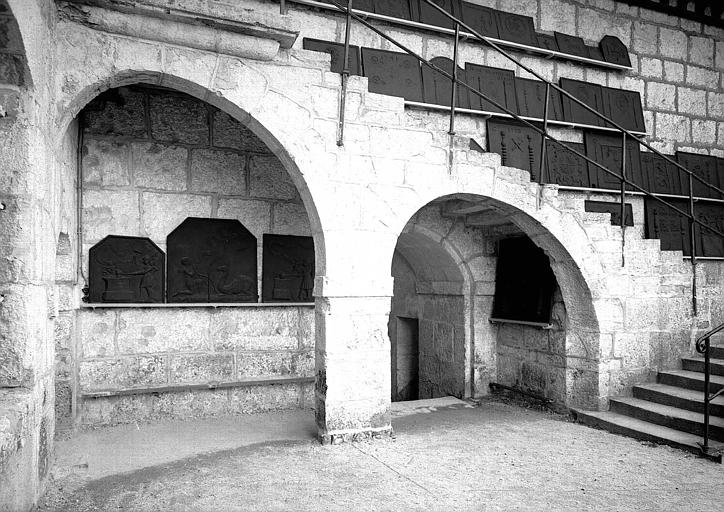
x=405, y=360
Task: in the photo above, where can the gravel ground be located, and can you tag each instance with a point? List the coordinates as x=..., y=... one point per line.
x=497, y=456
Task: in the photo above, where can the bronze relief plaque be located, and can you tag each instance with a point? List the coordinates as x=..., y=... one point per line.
x=667, y=225
x=708, y=243
x=614, y=51
x=482, y=19
x=530, y=99
x=564, y=167
x=437, y=88
x=431, y=16
x=590, y=94
x=571, y=45
x=518, y=145
x=624, y=107
x=660, y=176
x=497, y=84
x=703, y=166
x=393, y=73
x=548, y=42
x=606, y=150
x=336, y=50
x=516, y=28
x=125, y=269
x=211, y=260
x=288, y=268
x=614, y=209
x=393, y=8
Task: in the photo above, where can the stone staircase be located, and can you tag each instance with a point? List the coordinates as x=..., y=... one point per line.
x=670, y=411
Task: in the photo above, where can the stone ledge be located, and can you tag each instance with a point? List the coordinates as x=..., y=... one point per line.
x=354, y=437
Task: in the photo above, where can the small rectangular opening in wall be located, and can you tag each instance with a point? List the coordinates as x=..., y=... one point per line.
x=405, y=360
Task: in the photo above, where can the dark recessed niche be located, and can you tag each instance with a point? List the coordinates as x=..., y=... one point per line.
x=524, y=282
x=288, y=268
x=125, y=269
x=211, y=260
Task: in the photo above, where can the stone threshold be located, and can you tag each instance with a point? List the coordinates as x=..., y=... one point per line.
x=196, y=387
x=214, y=305
x=539, y=325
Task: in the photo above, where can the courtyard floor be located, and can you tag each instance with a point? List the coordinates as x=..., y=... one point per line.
x=445, y=455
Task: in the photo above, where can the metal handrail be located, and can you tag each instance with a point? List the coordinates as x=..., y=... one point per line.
x=625, y=182
x=703, y=346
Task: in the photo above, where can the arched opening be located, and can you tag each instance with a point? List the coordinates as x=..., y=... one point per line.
x=152, y=172
x=488, y=295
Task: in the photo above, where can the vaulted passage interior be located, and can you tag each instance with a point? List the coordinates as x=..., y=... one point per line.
x=195, y=255
x=477, y=301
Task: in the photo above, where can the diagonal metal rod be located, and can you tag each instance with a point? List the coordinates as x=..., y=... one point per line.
x=623, y=200
x=345, y=76
x=530, y=125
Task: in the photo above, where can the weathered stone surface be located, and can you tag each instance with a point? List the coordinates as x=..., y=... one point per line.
x=673, y=71
x=97, y=333
x=107, y=212
x=122, y=113
x=291, y=219
x=178, y=119
x=701, y=51
x=650, y=67
x=702, y=77
x=140, y=371
x=674, y=43
x=254, y=399
x=152, y=330
x=692, y=101
x=263, y=364
x=672, y=127
x=230, y=133
x=218, y=171
x=204, y=368
x=105, y=164
x=255, y=329
x=269, y=179
x=660, y=96
x=159, y=166
x=645, y=38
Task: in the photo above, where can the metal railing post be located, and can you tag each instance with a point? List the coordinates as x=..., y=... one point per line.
x=454, y=93
x=707, y=398
x=692, y=242
x=282, y=7
x=544, y=138
x=623, y=199
x=345, y=76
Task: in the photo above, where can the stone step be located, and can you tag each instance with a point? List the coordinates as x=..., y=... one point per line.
x=681, y=398
x=717, y=351
x=645, y=431
x=690, y=380
x=668, y=416
x=696, y=364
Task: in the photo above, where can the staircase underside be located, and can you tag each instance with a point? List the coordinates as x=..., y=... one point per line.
x=671, y=411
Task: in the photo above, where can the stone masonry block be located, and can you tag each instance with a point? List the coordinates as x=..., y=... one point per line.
x=256, y=399
x=306, y=327
x=593, y=25
x=673, y=71
x=672, y=127
x=105, y=164
x=159, y=166
x=660, y=96
x=702, y=77
x=255, y=329
x=121, y=114
x=692, y=101
x=719, y=55
x=12, y=69
x=254, y=215
x=701, y=51
x=213, y=170
x=652, y=68
x=140, y=371
x=674, y=43
x=62, y=331
x=263, y=364
x=162, y=213
x=178, y=119
x=107, y=212
x=198, y=368
x=154, y=330
x=645, y=38
x=97, y=329
x=557, y=16
x=291, y=219
x=269, y=179
x=9, y=103
x=715, y=102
